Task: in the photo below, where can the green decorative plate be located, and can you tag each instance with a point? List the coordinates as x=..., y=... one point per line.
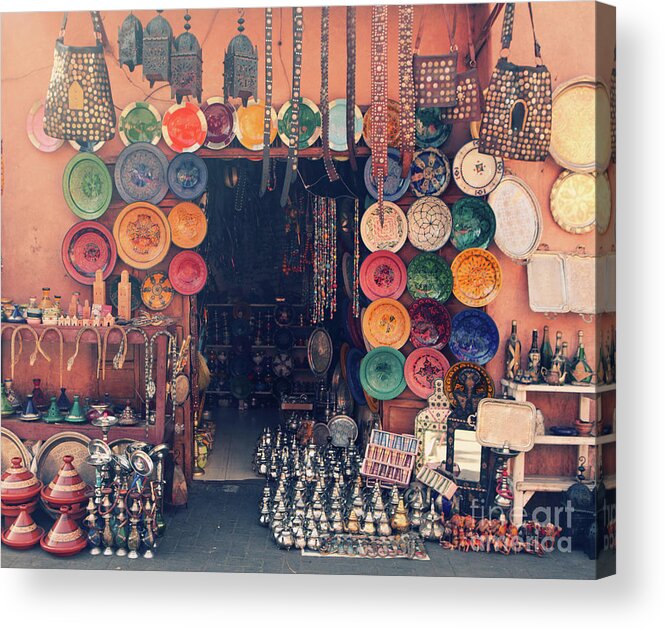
x=140, y=122
x=87, y=186
x=474, y=224
x=382, y=373
x=310, y=123
x=431, y=128
x=429, y=276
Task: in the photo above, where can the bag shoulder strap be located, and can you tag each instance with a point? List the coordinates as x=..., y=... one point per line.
x=507, y=31
x=452, y=29
x=96, y=25
x=471, y=56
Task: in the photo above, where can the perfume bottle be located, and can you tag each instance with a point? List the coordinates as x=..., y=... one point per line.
x=513, y=353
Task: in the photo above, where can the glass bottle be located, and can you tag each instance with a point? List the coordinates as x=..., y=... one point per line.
x=580, y=372
x=533, y=366
x=546, y=353
x=600, y=368
x=513, y=354
x=566, y=362
x=609, y=367
x=39, y=398
x=57, y=306
x=46, y=303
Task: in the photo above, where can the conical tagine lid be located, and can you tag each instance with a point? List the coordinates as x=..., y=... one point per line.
x=65, y=537
x=23, y=532
x=18, y=484
x=67, y=487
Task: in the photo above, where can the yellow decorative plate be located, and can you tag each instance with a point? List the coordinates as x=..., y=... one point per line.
x=581, y=127
x=386, y=322
x=476, y=277
x=393, y=124
x=188, y=225
x=142, y=235
x=250, y=125
x=580, y=201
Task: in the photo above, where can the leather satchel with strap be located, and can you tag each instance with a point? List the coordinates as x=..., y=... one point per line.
x=435, y=76
x=517, y=121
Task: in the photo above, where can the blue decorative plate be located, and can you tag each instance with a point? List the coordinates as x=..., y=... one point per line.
x=430, y=172
x=353, y=360
x=394, y=186
x=187, y=176
x=140, y=173
x=474, y=337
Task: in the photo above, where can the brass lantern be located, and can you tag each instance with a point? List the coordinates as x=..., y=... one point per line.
x=186, y=65
x=130, y=42
x=157, y=42
x=241, y=66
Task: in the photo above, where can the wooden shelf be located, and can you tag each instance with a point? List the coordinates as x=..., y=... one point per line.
x=589, y=389
x=554, y=483
x=579, y=440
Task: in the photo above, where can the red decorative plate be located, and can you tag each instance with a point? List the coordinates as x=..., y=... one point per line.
x=188, y=272
x=88, y=246
x=221, y=120
x=422, y=367
x=430, y=324
x=383, y=274
x=184, y=128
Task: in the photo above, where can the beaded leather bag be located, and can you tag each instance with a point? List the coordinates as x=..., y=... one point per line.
x=79, y=104
x=517, y=121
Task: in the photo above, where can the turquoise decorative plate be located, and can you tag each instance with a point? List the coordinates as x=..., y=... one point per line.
x=429, y=276
x=474, y=224
x=87, y=186
x=337, y=124
x=431, y=129
x=382, y=373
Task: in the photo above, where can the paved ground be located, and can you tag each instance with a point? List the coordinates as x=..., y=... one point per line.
x=218, y=532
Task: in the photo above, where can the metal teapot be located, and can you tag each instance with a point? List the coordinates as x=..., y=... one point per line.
x=431, y=528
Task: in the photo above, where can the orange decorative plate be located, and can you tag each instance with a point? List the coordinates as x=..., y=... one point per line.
x=188, y=225
x=142, y=235
x=157, y=291
x=393, y=124
x=476, y=277
x=184, y=128
x=386, y=322
x=249, y=129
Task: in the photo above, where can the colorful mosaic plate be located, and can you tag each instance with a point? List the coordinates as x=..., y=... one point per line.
x=430, y=324
x=87, y=186
x=475, y=337
x=382, y=274
x=221, y=120
x=184, y=128
x=140, y=122
x=188, y=225
x=422, y=367
x=390, y=236
x=474, y=224
x=476, y=173
x=187, y=176
x=386, y=322
x=188, y=272
x=309, y=123
x=157, y=291
x=393, y=124
x=353, y=361
x=429, y=276
x=477, y=276
x=337, y=124
x=142, y=235
x=431, y=128
x=465, y=384
x=140, y=173
x=430, y=172
x=88, y=247
x=35, y=128
x=580, y=201
x=135, y=299
x=382, y=373
x=429, y=223
x=249, y=130
x=394, y=187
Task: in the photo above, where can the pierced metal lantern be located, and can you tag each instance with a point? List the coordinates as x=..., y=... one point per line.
x=186, y=65
x=130, y=42
x=241, y=67
x=157, y=43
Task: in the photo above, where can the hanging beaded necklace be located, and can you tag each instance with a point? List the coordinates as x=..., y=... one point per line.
x=356, y=257
x=324, y=276
x=407, y=94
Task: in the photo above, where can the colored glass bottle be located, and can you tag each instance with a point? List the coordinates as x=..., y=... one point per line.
x=513, y=353
x=46, y=303
x=581, y=372
x=533, y=366
x=39, y=398
x=559, y=365
x=57, y=305
x=546, y=353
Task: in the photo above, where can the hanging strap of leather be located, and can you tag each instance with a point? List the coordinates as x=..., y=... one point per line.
x=351, y=85
x=452, y=29
x=323, y=100
x=406, y=87
x=507, y=31
x=471, y=55
x=267, y=113
x=484, y=33
x=96, y=26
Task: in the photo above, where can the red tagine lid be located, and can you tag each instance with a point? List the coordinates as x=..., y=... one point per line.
x=23, y=532
x=18, y=484
x=67, y=487
x=65, y=537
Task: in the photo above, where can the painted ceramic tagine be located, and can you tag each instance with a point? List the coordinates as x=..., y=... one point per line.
x=65, y=537
x=19, y=484
x=67, y=488
x=23, y=532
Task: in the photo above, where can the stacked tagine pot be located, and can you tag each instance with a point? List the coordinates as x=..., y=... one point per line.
x=22, y=533
x=67, y=489
x=65, y=537
x=18, y=486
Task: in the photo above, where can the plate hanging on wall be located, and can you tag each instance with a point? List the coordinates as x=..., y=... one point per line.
x=476, y=173
x=250, y=125
x=88, y=247
x=142, y=235
x=430, y=324
x=386, y=322
x=87, y=186
x=337, y=124
x=465, y=384
x=475, y=337
x=394, y=186
x=135, y=300
x=35, y=128
x=319, y=352
x=429, y=276
x=184, y=128
x=86, y=147
x=422, y=367
x=382, y=274
x=343, y=430
x=477, y=277
x=309, y=123
x=140, y=122
x=187, y=176
x=157, y=291
x=393, y=125
x=390, y=236
x=429, y=223
x=188, y=272
x=430, y=172
x=140, y=173
x=382, y=373
x=222, y=123
x=431, y=129
x=474, y=224
x=580, y=201
x=188, y=225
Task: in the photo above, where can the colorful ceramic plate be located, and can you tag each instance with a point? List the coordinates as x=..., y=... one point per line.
x=188, y=225
x=184, y=128
x=430, y=172
x=87, y=247
x=475, y=337
x=422, y=367
x=390, y=236
x=394, y=186
x=140, y=122
x=474, y=224
x=430, y=324
x=309, y=123
x=382, y=373
x=429, y=276
x=86, y=147
x=135, y=299
x=476, y=173
x=465, y=384
x=187, y=176
x=343, y=431
x=142, y=235
x=581, y=125
x=157, y=291
x=35, y=127
x=393, y=124
x=430, y=223
x=354, y=359
x=386, y=322
x=188, y=272
x=221, y=120
x=319, y=351
x=477, y=275
x=337, y=124
x=87, y=186
x=519, y=223
x=580, y=201
x=431, y=128
x=140, y=173
x=249, y=130
x=383, y=274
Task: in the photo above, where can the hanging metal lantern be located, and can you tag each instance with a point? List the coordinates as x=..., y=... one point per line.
x=186, y=65
x=130, y=42
x=157, y=43
x=241, y=66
